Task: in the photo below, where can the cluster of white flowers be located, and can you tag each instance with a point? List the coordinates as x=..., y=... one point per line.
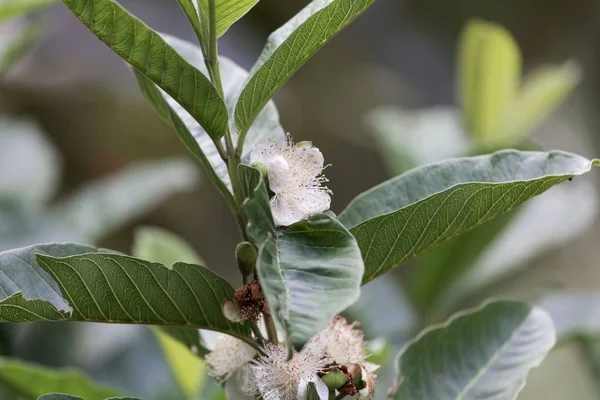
x=339, y=346
x=294, y=174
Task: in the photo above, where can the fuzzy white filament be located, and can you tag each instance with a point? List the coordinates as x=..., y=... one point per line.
x=340, y=342
x=279, y=379
x=294, y=174
x=229, y=355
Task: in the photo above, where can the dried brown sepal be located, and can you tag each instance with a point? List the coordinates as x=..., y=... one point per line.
x=250, y=301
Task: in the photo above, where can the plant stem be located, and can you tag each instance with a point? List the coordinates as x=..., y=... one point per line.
x=271, y=330
x=259, y=337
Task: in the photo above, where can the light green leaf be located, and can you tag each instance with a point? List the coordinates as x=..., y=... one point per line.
x=145, y=50
x=288, y=48
x=161, y=246
x=410, y=138
x=266, y=126
x=133, y=291
x=29, y=165
x=490, y=73
x=14, y=8
x=227, y=12
x=484, y=354
x=425, y=206
x=30, y=381
x=105, y=205
x=542, y=92
x=187, y=369
x=60, y=396
x=309, y=271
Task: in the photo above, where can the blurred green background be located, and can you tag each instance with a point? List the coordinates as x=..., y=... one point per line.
x=399, y=52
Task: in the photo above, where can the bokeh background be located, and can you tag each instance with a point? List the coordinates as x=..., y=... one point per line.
x=86, y=101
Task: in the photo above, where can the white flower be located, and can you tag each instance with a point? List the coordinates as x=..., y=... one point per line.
x=279, y=379
x=294, y=174
x=340, y=342
x=228, y=356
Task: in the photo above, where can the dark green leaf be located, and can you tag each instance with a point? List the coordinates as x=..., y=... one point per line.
x=31, y=381
x=159, y=245
x=425, y=206
x=144, y=49
x=309, y=272
x=59, y=396
x=266, y=126
x=104, y=287
x=481, y=354
x=291, y=46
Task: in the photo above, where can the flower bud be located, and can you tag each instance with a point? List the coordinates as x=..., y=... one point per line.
x=334, y=379
x=245, y=254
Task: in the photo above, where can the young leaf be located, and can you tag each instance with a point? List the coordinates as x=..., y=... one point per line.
x=105, y=205
x=14, y=8
x=483, y=354
x=490, y=73
x=227, y=12
x=266, y=126
x=309, y=271
x=542, y=92
x=288, y=48
x=144, y=49
x=19, y=376
x=133, y=291
x=187, y=369
x=425, y=206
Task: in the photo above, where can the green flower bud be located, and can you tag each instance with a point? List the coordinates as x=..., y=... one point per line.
x=334, y=379
x=245, y=254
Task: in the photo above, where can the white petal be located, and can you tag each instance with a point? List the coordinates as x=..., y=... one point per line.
x=286, y=211
x=262, y=152
x=234, y=388
x=209, y=338
x=321, y=387
x=290, y=207
x=308, y=161
x=278, y=172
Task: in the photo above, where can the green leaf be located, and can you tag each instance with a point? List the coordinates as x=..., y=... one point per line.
x=291, y=46
x=425, y=206
x=105, y=205
x=21, y=273
x=266, y=126
x=542, y=92
x=441, y=267
x=187, y=369
x=490, y=73
x=309, y=271
x=161, y=246
x=133, y=291
x=227, y=12
x=30, y=381
x=14, y=8
x=484, y=353
x=146, y=50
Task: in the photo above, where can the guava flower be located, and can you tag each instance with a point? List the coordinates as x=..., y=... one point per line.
x=340, y=342
x=229, y=355
x=294, y=173
x=276, y=378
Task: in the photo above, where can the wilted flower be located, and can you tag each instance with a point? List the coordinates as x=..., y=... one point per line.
x=277, y=378
x=294, y=174
x=229, y=355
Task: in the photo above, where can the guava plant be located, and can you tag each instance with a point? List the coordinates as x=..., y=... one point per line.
x=281, y=335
